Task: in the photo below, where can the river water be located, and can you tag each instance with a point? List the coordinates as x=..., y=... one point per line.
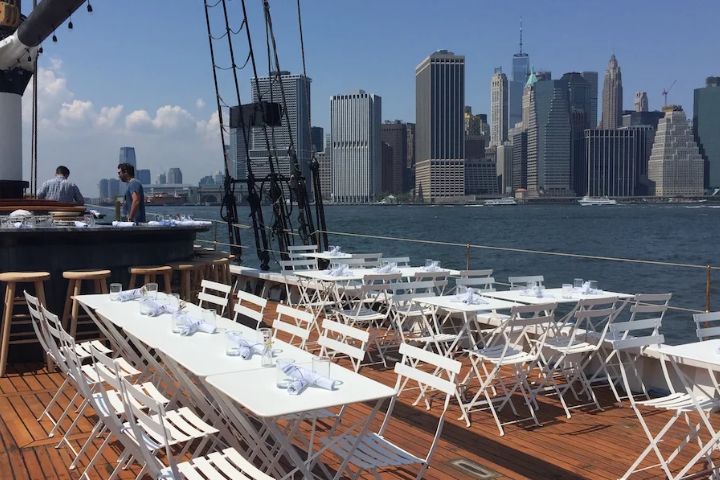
x=667, y=233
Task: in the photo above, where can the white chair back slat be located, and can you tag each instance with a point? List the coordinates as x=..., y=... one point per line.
x=637, y=342
x=399, y=261
x=333, y=345
x=484, y=273
x=705, y=333
x=525, y=281
x=292, y=330
x=425, y=378
x=210, y=298
x=338, y=337
x=247, y=312
x=480, y=283
x=210, y=294
x=244, y=296
x=299, y=324
x=430, y=358
x=346, y=330
x=302, y=315
x=350, y=262
x=622, y=327
x=708, y=325
x=292, y=265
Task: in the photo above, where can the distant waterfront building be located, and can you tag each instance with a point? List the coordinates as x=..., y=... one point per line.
x=174, y=176
x=630, y=119
x=592, y=79
x=476, y=124
x=317, y=138
x=356, y=147
x=675, y=165
x=143, y=175
x=207, y=181
x=409, y=179
x=394, y=134
x=474, y=146
x=162, y=179
x=641, y=102
x=296, y=89
x=614, y=161
x=127, y=155
x=480, y=178
x=706, y=128
x=518, y=139
x=580, y=103
x=439, y=102
x=549, y=147
x=498, y=107
x=386, y=173
x=612, y=107
x=325, y=161
x=503, y=167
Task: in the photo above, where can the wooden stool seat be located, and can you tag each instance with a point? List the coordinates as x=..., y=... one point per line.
x=11, y=279
x=23, y=277
x=150, y=274
x=71, y=312
x=86, y=274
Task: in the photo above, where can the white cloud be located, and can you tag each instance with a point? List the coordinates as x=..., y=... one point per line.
x=75, y=113
x=200, y=103
x=108, y=116
x=139, y=120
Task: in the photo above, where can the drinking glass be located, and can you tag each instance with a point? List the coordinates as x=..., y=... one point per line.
x=232, y=343
x=151, y=290
x=593, y=286
x=174, y=301
x=428, y=262
x=282, y=380
x=578, y=283
x=567, y=289
x=321, y=366
x=115, y=289
x=265, y=339
x=178, y=322
x=209, y=316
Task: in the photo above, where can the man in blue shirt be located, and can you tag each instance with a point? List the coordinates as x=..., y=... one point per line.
x=60, y=188
x=134, y=205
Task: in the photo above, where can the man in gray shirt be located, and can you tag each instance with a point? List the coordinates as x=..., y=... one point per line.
x=61, y=189
x=134, y=205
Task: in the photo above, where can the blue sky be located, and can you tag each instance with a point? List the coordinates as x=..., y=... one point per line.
x=138, y=72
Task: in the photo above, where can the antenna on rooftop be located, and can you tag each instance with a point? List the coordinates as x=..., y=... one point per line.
x=520, y=34
x=667, y=90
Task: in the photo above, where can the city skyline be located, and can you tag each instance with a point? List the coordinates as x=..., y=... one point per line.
x=170, y=117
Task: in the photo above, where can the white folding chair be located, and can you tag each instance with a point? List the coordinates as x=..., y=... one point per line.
x=243, y=308
x=682, y=403
x=399, y=261
x=484, y=273
x=370, y=259
x=526, y=281
x=576, y=346
x=344, y=340
x=517, y=345
x=214, y=295
x=295, y=252
x=373, y=452
x=484, y=284
x=406, y=316
x=440, y=279
x=305, y=288
x=707, y=325
x=350, y=262
x=293, y=322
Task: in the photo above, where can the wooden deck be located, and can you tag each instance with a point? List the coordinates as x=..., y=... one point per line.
x=590, y=445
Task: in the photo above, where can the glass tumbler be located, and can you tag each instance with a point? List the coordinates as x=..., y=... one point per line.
x=265, y=339
x=321, y=366
x=115, y=289
x=232, y=343
x=593, y=286
x=151, y=290
x=578, y=283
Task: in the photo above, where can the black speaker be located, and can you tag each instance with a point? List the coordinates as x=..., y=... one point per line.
x=260, y=114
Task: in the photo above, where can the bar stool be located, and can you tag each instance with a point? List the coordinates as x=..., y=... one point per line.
x=220, y=270
x=75, y=279
x=150, y=274
x=11, y=279
x=188, y=278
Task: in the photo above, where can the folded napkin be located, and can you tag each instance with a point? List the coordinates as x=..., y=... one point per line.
x=123, y=224
x=334, y=251
x=387, y=268
x=538, y=292
x=17, y=224
x=303, y=378
x=470, y=298
x=433, y=267
x=586, y=290
x=247, y=349
x=192, y=223
x=127, y=295
x=153, y=308
x=189, y=324
x=161, y=223
x=80, y=224
x=341, y=270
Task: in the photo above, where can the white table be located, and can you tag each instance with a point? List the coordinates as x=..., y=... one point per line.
x=551, y=295
x=327, y=255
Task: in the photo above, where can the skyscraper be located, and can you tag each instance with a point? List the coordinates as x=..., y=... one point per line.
x=549, y=149
x=174, y=176
x=498, y=107
x=394, y=134
x=613, y=161
x=612, y=95
x=580, y=104
x=706, y=128
x=356, y=149
x=641, y=102
x=675, y=163
x=520, y=74
x=324, y=158
x=127, y=155
x=439, y=102
x=143, y=176
x=295, y=126
x=317, y=136
x=409, y=180
x=592, y=79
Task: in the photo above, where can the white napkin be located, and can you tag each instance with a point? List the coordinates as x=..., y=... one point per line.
x=341, y=270
x=303, y=378
x=247, y=349
x=470, y=298
x=127, y=295
x=191, y=223
x=189, y=324
x=123, y=224
x=387, y=268
x=433, y=267
x=334, y=251
x=153, y=308
x=17, y=224
x=80, y=224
